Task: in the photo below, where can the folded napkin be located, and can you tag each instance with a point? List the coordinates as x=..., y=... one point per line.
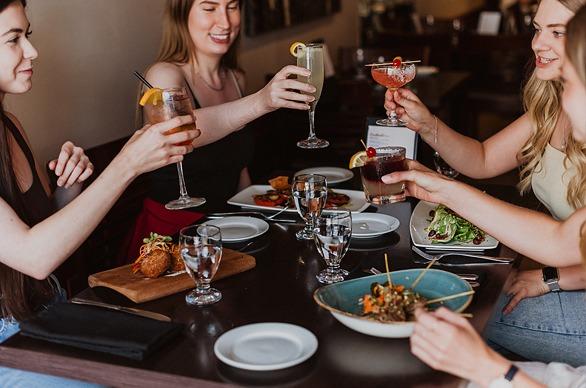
x=99, y=329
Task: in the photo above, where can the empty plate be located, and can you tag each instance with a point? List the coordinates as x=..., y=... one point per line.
x=367, y=225
x=333, y=174
x=265, y=346
x=236, y=229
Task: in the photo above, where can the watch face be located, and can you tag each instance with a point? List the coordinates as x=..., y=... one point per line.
x=550, y=273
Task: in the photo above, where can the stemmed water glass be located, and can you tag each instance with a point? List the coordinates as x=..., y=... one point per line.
x=201, y=250
x=309, y=194
x=175, y=102
x=332, y=238
x=311, y=57
x=442, y=167
x=393, y=77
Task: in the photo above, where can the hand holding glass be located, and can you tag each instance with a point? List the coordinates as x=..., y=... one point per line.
x=393, y=77
x=386, y=161
x=175, y=102
x=332, y=234
x=201, y=250
x=309, y=193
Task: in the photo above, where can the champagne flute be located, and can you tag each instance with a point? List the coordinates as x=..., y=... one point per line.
x=393, y=77
x=310, y=192
x=175, y=102
x=311, y=57
x=332, y=238
x=201, y=250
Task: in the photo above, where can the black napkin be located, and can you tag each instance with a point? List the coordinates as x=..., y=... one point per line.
x=99, y=329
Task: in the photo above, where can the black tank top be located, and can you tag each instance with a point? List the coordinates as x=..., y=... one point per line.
x=36, y=205
x=211, y=171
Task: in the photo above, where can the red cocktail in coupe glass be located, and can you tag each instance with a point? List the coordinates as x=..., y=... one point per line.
x=393, y=77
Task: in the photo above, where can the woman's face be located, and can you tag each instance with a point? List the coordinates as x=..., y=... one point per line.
x=214, y=25
x=16, y=51
x=574, y=101
x=549, y=39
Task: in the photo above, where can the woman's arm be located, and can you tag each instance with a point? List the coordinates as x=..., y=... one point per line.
x=479, y=160
x=36, y=251
x=528, y=232
x=219, y=121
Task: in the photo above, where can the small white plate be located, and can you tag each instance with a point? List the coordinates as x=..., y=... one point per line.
x=420, y=220
x=236, y=229
x=245, y=199
x=367, y=225
x=265, y=346
x=333, y=174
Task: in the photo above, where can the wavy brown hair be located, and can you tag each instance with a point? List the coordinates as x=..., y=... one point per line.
x=19, y=294
x=576, y=43
x=542, y=102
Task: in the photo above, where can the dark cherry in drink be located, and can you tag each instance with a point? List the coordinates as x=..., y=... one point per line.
x=387, y=160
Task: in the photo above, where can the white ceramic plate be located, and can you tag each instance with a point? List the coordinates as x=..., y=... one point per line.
x=367, y=225
x=420, y=220
x=333, y=174
x=265, y=346
x=236, y=229
x=245, y=199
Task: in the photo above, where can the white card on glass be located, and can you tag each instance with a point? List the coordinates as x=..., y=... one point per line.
x=379, y=136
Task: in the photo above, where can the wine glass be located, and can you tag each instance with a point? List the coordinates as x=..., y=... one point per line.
x=309, y=194
x=393, y=77
x=311, y=57
x=201, y=250
x=442, y=167
x=332, y=238
x=175, y=102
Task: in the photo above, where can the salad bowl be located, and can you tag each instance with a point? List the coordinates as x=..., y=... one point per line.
x=342, y=299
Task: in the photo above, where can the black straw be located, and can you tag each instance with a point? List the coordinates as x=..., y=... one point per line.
x=144, y=81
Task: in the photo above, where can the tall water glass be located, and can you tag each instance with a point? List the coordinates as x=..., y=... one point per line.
x=311, y=57
x=201, y=250
x=310, y=192
x=176, y=102
x=332, y=238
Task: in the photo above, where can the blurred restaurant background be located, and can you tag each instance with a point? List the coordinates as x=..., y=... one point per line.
x=476, y=54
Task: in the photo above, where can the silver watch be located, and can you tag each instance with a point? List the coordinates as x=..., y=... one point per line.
x=551, y=277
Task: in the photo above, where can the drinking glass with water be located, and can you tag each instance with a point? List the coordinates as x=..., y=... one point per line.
x=332, y=234
x=310, y=192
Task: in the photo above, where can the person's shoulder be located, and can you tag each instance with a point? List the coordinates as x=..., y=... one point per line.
x=240, y=78
x=15, y=121
x=164, y=74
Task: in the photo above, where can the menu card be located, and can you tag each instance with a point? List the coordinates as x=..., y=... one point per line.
x=379, y=136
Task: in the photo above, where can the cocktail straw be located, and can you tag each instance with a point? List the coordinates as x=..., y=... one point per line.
x=143, y=80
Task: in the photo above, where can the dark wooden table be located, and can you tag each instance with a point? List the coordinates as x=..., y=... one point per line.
x=279, y=289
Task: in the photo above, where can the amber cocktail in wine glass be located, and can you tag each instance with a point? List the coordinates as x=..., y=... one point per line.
x=393, y=76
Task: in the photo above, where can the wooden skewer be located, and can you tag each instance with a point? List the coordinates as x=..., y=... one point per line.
x=363, y=144
x=388, y=274
x=390, y=63
x=466, y=315
x=418, y=279
x=449, y=297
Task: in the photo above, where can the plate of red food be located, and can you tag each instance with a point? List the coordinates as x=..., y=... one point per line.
x=278, y=196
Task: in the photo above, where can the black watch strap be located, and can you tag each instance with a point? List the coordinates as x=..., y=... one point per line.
x=551, y=278
x=510, y=375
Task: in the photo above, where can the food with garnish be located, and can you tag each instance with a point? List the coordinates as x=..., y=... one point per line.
x=390, y=303
x=157, y=255
x=280, y=195
x=446, y=226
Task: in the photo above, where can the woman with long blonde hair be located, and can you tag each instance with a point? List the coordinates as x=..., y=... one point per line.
x=448, y=342
x=198, y=51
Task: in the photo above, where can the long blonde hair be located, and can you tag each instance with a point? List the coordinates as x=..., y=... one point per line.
x=542, y=102
x=576, y=43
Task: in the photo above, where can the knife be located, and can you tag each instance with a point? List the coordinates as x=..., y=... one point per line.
x=129, y=310
x=213, y=216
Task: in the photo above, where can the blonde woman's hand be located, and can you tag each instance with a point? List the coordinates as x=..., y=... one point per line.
x=421, y=182
x=525, y=284
x=71, y=166
x=446, y=341
x=150, y=148
x=411, y=110
x=285, y=92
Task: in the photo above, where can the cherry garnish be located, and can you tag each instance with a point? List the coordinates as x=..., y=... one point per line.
x=397, y=62
x=370, y=152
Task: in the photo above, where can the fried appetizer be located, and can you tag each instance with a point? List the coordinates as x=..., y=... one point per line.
x=155, y=256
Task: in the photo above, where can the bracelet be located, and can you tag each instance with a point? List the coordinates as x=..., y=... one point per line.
x=435, y=131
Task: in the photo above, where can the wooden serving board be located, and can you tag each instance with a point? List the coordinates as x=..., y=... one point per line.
x=139, y=288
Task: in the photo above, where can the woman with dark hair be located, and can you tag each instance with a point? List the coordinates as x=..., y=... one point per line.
x=34, y=238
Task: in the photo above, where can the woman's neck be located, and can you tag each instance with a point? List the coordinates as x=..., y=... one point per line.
x=207, y=66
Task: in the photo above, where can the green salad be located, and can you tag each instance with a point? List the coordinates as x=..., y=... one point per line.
x=446, y=226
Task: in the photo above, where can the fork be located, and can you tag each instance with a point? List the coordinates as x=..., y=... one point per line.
x=494, y=260
x=253, y=213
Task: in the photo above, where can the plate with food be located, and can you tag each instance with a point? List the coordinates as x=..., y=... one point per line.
x=368, y=225
x=435, y=226
x=277, y=195
x=333, y=175
x=235, y=229
x=370, y=306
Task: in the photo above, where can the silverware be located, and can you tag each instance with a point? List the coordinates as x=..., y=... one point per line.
x=272, y=218
x=470, y=278
x=129, y=310
x=440, y=255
